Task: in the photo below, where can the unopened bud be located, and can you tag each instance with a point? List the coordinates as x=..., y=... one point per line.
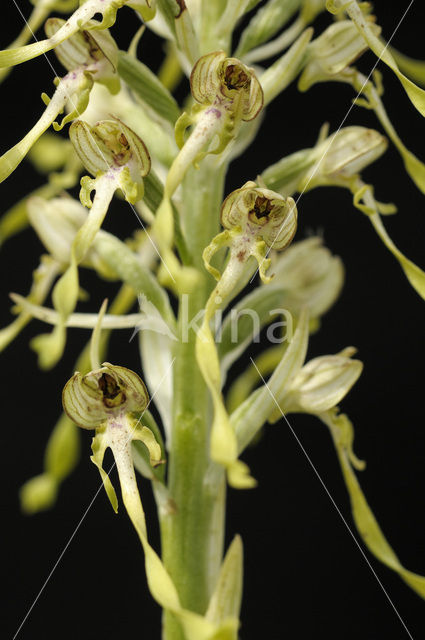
x=334, y=50
x=322, y=383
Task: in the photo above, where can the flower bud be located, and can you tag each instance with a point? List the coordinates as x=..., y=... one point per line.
x=260, y=214
x=103, y=395
x=322, y=383
x=352, y=149
x=334, y=50
x=226, y=82
x=310, y=275
x=343, y=155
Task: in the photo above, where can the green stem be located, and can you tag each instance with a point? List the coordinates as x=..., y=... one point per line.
x=192, y=537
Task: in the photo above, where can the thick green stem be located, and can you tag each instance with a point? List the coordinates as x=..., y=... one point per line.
x=192, y=537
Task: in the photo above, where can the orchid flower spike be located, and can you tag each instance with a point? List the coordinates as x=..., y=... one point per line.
x=88, y=57
x=113, y=153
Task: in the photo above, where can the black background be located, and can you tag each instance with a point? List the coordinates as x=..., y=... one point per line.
x=304, y=573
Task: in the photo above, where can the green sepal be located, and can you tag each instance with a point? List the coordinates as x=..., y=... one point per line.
x=110, y=147
x=97, y=52
x=99, y=445
x=146, y=86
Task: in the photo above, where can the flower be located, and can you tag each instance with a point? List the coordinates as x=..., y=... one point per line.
x=261, y=214
x=227, y=83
